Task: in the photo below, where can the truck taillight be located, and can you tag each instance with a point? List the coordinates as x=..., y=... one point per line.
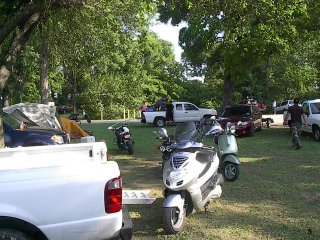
x=113, y=195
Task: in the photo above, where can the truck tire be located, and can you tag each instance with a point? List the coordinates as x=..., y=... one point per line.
x=316, y=133
x=160, y=122
x=207, y=120
x=12, y=234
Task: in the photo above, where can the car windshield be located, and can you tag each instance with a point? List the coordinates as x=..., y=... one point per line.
x=13, y=122
x=236, y=112
x=315, y=108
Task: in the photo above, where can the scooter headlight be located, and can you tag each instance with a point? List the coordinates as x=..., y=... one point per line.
x=162, y=148
x=240, y=123
x=177, y=175
x=231, y=128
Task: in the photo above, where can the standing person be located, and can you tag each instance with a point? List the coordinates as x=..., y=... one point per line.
x=143, y=107
x=169, y=112
x=162, y=104
x=295, y=112
x=274, y=105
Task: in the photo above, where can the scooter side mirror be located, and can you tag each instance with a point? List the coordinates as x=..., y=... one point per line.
x=163, y=132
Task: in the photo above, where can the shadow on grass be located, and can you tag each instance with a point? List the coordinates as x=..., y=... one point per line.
x=277, y=195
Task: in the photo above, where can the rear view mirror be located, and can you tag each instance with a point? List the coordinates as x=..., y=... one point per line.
x=163, y=132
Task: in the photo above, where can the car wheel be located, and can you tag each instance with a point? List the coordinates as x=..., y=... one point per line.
x=316, y=133
x=9, y=234
x=159, y=122
x=207, y=120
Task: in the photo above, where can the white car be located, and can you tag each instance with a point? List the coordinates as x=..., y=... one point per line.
x=284, y=106
x=312, y=110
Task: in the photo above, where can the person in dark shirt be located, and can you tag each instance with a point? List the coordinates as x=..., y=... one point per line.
x=169, y=112
x=295, y=112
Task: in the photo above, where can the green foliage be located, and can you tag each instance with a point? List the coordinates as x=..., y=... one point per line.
x=242, y=39
x=114, y=64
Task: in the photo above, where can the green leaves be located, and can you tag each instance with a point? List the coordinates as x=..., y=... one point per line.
x=243, y=37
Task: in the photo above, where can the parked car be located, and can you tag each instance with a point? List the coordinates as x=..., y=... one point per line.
x=246, y=117
x=284, y=106
x=77, y=117
x=312, y=110
x=28, y=134
x=64, y=109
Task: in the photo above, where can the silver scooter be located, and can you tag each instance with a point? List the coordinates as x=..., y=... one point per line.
x=190, y=177
x=227, y=150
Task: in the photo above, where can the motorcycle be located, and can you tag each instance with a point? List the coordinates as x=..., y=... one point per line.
x=123, y=138
x=190, y=176
x=227, y=150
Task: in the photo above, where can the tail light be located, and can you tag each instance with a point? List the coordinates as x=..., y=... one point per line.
x=113, y=195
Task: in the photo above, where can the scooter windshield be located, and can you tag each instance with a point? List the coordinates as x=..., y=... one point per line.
x=185, y=131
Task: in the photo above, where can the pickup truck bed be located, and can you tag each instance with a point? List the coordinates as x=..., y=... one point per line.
x=60, y=192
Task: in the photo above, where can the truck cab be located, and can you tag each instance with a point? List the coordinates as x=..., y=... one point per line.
x=312, y=110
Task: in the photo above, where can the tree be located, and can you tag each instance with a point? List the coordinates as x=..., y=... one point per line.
x=241, y=37
x=19, y=19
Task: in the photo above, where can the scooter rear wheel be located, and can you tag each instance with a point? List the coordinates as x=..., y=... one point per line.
x=130, y=147
x=173, y=220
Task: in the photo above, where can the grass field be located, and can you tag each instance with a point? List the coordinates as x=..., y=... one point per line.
x=277, y=195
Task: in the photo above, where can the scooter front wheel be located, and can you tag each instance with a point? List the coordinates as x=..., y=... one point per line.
x=173, y=219
x=231, y=171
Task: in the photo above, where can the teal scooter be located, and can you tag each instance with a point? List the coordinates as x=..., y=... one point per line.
x=225, y=140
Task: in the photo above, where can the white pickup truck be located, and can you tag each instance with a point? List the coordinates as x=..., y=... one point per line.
x=183, y=112
x=62, y=192
x=312, y=110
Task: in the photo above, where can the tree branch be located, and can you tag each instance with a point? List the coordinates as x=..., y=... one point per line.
x=20, y=39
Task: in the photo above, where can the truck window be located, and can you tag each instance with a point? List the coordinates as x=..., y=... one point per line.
x=315, y=108
x=188, y=106
x=179, y=107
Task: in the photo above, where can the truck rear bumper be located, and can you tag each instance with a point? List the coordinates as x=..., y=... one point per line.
x=105, y=227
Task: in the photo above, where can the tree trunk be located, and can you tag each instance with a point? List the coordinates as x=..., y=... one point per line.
x=44, y=80
x=227, y=90
x=20, y=39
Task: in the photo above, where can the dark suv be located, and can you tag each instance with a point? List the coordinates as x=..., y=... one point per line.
x=246, y=117
x=30, y=135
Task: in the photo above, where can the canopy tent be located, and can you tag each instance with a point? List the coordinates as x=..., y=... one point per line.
x=34, y=114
